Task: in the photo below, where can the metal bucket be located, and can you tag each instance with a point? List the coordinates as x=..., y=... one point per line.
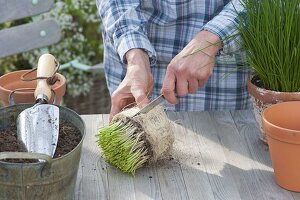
x=54, y=179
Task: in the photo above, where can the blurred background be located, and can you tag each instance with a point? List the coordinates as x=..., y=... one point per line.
x=81, y=43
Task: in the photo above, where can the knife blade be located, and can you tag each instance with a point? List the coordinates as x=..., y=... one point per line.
x=151, y=105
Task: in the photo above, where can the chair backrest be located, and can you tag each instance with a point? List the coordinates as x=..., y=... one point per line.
x=27, y=36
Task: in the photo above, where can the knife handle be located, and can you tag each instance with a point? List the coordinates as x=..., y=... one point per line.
x=46, y=68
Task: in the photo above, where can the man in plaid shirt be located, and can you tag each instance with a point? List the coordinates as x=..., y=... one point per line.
x=145, y=48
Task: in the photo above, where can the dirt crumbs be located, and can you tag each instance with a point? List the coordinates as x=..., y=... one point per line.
x=69, y=138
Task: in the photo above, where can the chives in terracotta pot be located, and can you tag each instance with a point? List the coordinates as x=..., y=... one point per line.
x=271, y=36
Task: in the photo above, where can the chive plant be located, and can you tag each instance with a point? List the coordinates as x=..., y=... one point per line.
x=123, y=145
x=129, y=143
x=271, y=35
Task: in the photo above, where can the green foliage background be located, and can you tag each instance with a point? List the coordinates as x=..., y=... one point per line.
x=81, y=39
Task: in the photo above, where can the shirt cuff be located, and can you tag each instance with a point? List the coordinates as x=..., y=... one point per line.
x=228, y=36
x=225, y=25
x=135, y=40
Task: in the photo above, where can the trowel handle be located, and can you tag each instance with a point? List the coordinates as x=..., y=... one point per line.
x=46, y=68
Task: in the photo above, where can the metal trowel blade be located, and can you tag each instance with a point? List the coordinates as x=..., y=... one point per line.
x=38, y=128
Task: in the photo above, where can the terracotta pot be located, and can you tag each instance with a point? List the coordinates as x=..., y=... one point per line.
x=262, y=99
x=282, y=126
x=11, y=81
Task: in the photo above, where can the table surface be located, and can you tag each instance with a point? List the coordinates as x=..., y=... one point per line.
x=217, y=156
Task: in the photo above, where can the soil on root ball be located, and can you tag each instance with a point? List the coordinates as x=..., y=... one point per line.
x=69, y=138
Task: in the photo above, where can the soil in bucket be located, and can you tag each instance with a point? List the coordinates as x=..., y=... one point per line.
x=69, y=138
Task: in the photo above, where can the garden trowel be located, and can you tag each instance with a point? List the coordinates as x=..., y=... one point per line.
x=38, y=126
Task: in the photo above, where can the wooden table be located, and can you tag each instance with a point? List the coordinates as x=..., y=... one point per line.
x=217, y=156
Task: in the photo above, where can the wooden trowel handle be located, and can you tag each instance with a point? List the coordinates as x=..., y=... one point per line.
x=46, y=68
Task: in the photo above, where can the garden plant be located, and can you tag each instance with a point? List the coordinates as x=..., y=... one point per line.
x=271, y=36
x=270, y=31
x=130, y=142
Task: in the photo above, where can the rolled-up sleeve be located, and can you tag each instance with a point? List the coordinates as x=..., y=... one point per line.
x=225, y=26
x=125, y=26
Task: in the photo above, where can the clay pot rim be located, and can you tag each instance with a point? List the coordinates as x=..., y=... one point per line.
x=62, y=81
x=250, y=84
x=290, y=131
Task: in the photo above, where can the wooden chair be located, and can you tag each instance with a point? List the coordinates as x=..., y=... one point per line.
x=40, y=34
x=28, y=36
x=32, y=35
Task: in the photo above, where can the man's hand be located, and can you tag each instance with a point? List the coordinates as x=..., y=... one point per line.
x=190, y=70
x=136, y=85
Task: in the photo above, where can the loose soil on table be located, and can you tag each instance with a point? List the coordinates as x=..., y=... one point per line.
x=69, y=138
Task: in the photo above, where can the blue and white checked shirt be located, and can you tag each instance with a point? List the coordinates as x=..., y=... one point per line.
x=163, y=28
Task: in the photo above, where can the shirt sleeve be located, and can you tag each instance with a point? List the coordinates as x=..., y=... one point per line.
x=225, y=26
x=125, y=26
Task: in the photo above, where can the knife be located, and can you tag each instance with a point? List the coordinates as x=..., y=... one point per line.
x=151, y=105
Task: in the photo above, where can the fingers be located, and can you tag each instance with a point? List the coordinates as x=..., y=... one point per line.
x=193, y=85
x=140, y=96
x=117, y=104
x=182, y=86
x=202, y=83
x=115, y=109
x=112, y=113
x=202, y=76
x=120, y=99
x=168, y=88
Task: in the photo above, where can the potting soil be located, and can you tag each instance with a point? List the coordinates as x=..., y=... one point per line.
x=69, y=138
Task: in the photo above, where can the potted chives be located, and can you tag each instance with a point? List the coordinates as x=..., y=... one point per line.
x=271, y=37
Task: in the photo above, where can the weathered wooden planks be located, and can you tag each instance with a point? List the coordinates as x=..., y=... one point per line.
x=218, y=171
x=217, y=155
x=261, y=166
x=18, y=9
x=238, y=158
x=29, y=36
x=187, y=152
x=92, y=182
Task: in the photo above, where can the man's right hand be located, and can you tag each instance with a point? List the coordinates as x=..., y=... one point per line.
x=137, y=84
